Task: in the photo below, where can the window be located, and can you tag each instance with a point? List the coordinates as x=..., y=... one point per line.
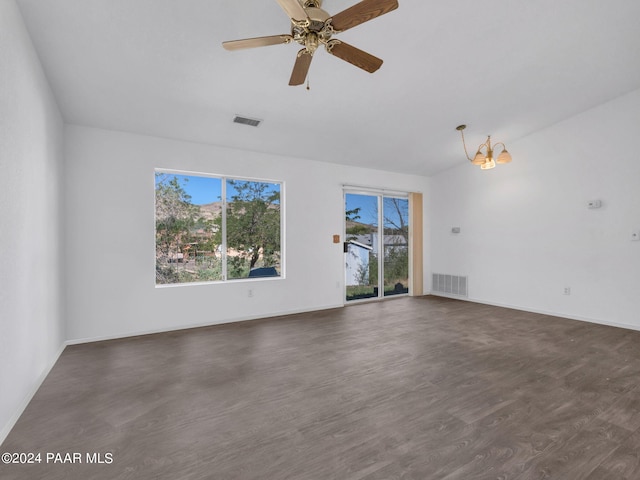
x=376, y=228
x=212, y=229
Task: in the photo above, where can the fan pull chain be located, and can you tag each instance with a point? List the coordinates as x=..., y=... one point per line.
x=308, y=87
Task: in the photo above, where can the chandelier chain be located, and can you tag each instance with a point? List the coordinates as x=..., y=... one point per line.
x=464, y=145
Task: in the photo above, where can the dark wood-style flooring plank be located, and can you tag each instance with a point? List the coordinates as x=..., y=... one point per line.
x=622, y=464
x=410, y=388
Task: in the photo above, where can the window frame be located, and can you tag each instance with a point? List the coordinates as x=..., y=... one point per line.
x=224, y=246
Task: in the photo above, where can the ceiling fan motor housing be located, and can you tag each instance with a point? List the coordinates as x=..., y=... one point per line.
x=317, y=31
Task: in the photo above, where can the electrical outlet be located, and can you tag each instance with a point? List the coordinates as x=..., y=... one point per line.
x=635, y=236
x=250, y=293
x=567, y=290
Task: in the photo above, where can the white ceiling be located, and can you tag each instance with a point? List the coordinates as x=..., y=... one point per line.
x=503, y=67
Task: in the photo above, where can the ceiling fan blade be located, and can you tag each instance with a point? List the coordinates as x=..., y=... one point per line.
x=294, y=9
x=362, y=12
x=301, y=67
x=355, y=56
x=256, y=42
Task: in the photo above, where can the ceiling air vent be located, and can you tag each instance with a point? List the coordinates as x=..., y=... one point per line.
x=247, y=121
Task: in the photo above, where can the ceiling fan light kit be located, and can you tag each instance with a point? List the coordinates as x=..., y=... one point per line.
x=485, y=159
x=311, y=26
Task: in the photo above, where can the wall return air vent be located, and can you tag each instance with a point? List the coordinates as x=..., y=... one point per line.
x=450, y=285
x=253, y=122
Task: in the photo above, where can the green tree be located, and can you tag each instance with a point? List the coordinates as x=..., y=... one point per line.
x=253, y=224
x=353, y=227
x=175, y=217
x=396, y=227
x=352, y=215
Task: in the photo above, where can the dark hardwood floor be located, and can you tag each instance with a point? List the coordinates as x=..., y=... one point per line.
x=411, y=388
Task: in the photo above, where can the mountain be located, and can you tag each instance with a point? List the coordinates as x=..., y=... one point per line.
x=211, y=211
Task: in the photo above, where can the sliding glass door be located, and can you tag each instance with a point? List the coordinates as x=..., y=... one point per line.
x=395, y=236
x=376, y=245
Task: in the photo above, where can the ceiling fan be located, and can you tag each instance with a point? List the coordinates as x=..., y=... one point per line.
x=311, y=27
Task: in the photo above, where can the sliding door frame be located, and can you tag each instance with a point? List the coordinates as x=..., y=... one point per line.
x=380, y=194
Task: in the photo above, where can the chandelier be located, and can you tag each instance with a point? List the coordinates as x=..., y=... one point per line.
x=485, y=158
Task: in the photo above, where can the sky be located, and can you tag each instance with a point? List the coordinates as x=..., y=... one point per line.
x=203, y=190
x=368, y=205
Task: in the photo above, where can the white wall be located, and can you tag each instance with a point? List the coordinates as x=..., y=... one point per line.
x=110, y=248
x=31, y=223
x=526, y=232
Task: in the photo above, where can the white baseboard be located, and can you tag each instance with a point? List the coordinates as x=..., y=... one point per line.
x=79, y=341
x=542, y=312
x=6, y=429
